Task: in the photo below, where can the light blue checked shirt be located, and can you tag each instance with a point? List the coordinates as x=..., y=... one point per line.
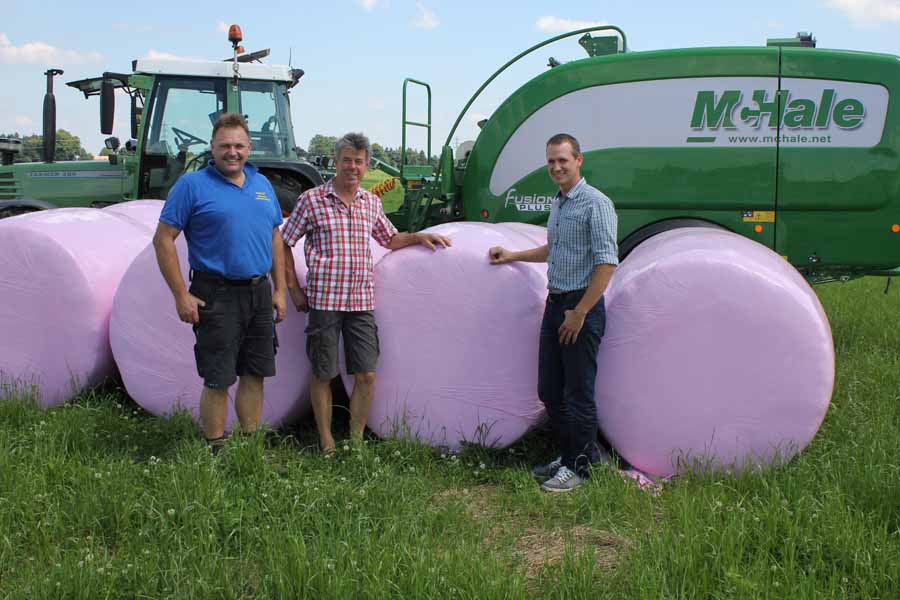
x=581, y=233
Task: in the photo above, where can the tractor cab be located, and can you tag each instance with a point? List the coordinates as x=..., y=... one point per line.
x=174, y=105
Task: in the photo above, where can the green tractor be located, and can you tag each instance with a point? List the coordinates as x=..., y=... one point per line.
x=788, y=144
x=174, y=104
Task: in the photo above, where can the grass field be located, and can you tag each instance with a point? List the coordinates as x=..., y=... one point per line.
x=99, y=500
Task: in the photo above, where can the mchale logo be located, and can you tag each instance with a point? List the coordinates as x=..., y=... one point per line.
x=713, y=113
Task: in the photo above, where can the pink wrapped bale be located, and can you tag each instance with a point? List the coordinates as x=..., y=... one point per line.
x=459, y=341
x=59, y=270
x=155, y=350
x=717, y=355
x=142, y=212
x=536, y=233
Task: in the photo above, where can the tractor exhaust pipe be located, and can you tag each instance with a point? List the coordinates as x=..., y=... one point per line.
x=49, y=133
x=49, y=117
x=107, y=105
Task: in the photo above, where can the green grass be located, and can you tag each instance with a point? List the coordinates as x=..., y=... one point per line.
x=99, y=500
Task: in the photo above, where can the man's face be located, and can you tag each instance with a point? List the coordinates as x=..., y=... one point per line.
x=352, y=166
x=563, y=166
x=230, y=149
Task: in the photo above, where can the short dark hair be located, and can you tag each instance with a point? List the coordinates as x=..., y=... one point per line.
x=230, y=119
x=357, y=141
x=562, y=138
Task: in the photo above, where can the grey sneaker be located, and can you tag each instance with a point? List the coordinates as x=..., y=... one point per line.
x=544, y=472
x=565, y=480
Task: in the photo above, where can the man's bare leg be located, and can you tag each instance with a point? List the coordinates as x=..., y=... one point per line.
x=213, y=411
x=361, y=403
x=320, y=395
x=248, y=402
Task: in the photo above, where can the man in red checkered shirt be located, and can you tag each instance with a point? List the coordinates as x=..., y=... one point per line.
x=337, y=219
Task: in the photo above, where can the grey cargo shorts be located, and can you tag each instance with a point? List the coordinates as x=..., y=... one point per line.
x=360, y=333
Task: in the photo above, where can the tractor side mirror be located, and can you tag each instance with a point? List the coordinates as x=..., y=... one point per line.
x=107, y=107
x=136, y=112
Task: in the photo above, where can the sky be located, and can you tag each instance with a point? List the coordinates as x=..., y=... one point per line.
x=356, y=53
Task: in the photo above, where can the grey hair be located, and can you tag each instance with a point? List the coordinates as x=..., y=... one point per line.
x=355, y=141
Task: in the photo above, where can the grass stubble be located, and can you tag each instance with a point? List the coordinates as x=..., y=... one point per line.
x=100, y=500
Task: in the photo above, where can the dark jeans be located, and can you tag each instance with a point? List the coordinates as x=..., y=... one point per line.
x=566, y=375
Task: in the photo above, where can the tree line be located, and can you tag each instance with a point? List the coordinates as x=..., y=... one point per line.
x=323, y=145
x=68, y=147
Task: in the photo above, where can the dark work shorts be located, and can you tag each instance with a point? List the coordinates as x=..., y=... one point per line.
x=360, y=333
x=236, y=332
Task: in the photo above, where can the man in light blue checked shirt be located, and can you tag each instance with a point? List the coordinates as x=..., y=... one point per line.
x=582, y=254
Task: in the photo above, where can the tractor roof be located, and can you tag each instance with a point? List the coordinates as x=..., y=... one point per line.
x=208, y=68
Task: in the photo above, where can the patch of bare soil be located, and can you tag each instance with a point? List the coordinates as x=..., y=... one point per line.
x=537, y=547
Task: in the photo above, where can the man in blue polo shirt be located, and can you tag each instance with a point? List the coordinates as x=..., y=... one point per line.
x=230, y=217
x=582, y=254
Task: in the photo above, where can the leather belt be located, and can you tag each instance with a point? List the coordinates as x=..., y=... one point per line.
x=220, y=280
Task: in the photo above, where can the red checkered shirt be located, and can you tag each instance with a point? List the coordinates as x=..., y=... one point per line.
x=337, y=247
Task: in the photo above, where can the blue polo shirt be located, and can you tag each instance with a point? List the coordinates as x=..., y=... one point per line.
x=228, y=228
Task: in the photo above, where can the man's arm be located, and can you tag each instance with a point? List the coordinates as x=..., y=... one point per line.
x=298, y=296
x=279, y=302
x=574, y=321
x=500, y=255
x=167, y=258
x=429, y=240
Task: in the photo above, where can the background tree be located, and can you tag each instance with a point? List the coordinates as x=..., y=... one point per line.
x=68, y=147
x=322, y=144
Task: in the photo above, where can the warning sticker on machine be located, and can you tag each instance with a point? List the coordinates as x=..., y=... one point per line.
x=759, y=216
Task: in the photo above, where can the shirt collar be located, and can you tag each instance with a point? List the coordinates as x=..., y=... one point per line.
x=249, y=171
x=331, y=193
x=576, y=189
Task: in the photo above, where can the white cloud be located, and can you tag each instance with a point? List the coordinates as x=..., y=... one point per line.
x=222, y=26
x=23, y=120
x=155, y=55
x=550, y=24
x=42, y=53
x=369, y=5
x=868, y=12
x=426, y=19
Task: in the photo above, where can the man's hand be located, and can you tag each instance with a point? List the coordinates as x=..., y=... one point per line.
x=298, y=296
x=188, y=308
x=433, y=240
x=568, y=331
x=279, y=303
x=500, y=255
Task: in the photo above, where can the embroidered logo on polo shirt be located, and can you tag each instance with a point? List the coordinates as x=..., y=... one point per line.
x=262, y=196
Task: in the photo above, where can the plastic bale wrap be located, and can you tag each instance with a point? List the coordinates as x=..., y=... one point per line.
x=536, y=233
x=459, y=341
x=154, y=349
x=142, y=212
x=717, y=355
x=59, y=270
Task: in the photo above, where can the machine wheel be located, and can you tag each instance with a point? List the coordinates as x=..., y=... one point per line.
x=645, y=233
x=12, y=211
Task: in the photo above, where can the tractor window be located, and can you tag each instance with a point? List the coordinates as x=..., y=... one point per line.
x=265, y=106
x=181, y=122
